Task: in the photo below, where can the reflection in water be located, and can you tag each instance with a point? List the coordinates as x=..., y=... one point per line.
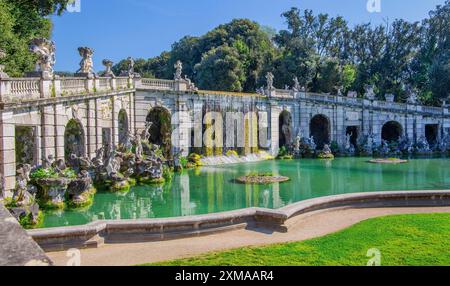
x=214, y=190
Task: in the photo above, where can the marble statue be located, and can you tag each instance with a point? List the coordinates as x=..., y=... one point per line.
x=286, y=128
x=297, y=86
x=131, y=63
x=139, y=151
x=178, y=70
x=2, y=67
x=146, y=133
x=349, y=148
x=269, y=81
x=412, y=95
x=48, y=162
x=370, y=93
x=108, y=65
x=46, y=59
x=86, y=63
x=422, y=145
x=24, y=193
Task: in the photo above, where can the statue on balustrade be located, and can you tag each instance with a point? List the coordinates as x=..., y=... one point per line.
x=108, y=71
x=46, y=59
x=269, y=81
x=178, y=70
x=297, y=86
x=412, y=95
x=370, y=93
x=86, y=63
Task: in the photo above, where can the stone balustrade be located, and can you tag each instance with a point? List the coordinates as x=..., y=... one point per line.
x=17, y=89
x=157, y=84
x=14, y=90
x=284, y=93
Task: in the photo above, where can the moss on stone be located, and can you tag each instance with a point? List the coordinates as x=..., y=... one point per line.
x=150, y=181
x=86, y=201
x=120, y=187
x=27, y=221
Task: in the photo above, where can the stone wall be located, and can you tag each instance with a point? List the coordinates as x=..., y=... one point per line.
x=341, y=112
x=93, y=103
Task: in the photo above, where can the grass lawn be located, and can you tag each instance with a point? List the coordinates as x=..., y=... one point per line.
x=416, y=240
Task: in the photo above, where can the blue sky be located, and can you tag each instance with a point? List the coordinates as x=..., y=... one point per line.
x=117, y=29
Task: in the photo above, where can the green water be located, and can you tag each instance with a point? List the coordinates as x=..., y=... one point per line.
x=212, y=190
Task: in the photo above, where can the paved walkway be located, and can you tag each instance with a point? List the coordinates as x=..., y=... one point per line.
x=303, y=227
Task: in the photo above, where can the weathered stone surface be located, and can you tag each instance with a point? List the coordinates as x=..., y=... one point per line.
x=17, y=248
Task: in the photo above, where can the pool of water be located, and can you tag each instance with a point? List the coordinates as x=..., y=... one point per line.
x=212, y=189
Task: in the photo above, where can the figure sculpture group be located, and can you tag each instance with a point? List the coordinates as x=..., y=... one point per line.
x=60, y=183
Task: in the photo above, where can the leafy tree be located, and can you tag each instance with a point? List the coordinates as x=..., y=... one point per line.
x=20, y=21
x=348, y=76
x=221, y=69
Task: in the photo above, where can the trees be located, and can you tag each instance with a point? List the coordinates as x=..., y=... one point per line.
x=221, y=69
x=323, y=52
x=20, y=21
x=241, y=40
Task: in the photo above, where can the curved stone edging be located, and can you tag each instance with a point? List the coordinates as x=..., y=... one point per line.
x=126, y=231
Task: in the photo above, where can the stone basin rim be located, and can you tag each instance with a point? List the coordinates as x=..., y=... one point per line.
x=279, y=216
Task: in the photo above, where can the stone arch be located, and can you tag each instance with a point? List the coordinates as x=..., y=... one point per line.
x=392, y=131
x=74, y=139
x=320, y=129
x=432, y=133
x=161, y=130
x=123, y=126
x=285, y=129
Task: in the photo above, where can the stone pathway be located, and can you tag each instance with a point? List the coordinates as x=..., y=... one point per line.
x=311, y=225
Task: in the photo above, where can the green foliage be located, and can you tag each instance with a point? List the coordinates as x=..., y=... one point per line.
x=50, y=173
x=221, y=69
x=27, y=221
x=20, y=21
x=184, y=162
x=42, y=173
x=266, y=174
x=348, y=76
x=403, y=240
x=167, y=173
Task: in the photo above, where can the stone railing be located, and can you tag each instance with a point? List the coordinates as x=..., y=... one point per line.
x=16, y=89
x=71, y=86
x=103, y=84
x=284, y=93
x=19, y=90
x=395, y=106
x=159, y=84
x=122, y=82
